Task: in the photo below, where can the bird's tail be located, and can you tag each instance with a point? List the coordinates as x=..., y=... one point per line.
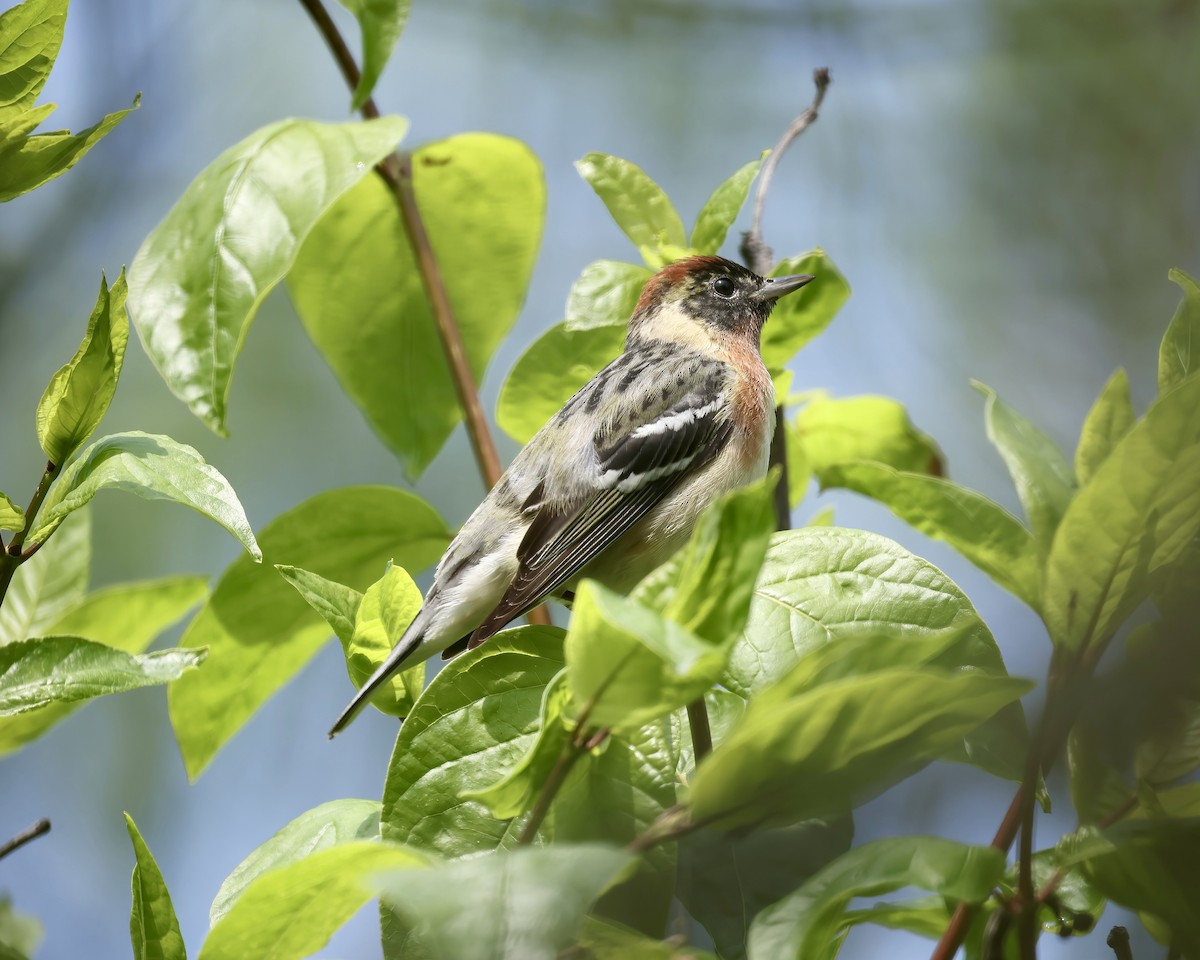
x=403, y=649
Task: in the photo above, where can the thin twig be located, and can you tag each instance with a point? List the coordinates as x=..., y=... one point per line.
x=1118, y=941
x=396, y=171
x=13, y=556
x=755, y=252
x=32, y=833
x=558, y=775
x=702, y=744
x=779, y=458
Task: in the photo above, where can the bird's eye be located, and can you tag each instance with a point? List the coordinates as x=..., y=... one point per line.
x=724, y=287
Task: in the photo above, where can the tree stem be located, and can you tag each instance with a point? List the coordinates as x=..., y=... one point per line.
x=32, y=833
x=13, y=556
x=702, y=745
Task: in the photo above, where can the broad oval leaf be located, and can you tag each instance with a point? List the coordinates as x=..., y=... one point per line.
x=978, y=528
x=1138, y=513
x=387, y=608
x=605, y=294
x=357, y=289
x=152, y=467
x=638, y=204
x=201, y=274
x=1179, y=354
x=291, y=911
x=1107, y=422
x=46, y=670
x=322, y=827
x=79, y=393
x=153, y=927
x=798, y=319
x=30, y=37
x=12, y=517
x=50, y=583
x=477, y=716
x=381, y=23
x=128, y=617
x=1044, y=480
x=526, y=904
x=549, y=373
x=806, y=924
x=722, y=207
x=260, y=632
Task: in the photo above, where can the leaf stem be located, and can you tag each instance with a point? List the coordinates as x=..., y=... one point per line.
x=579, y=744
x=31, y=833
x=396, y=171
x=702, y=744
x=13, y=556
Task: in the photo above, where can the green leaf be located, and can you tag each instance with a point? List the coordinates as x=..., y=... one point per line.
x=638, y=204
x=1097, y=787
x=153, y=927
x=797, y=320
x=154, y=468
x=482, y=198
x=328, y=825
x=605, y=295
x=926, y=916
x=477, y=716
x=724, y=881
x=19, y=933
x=381, y=22
x=604, y=940
x=127, y=617
x=292, y=911
x=978, y=528
x=1044, y=480
x=80, y=392
x=30, y=37
x=820, y=751
x=1170, y=749
x=724, y=710
x=829, y=431
x=1152, y=867
x=513, y=794
x=50, y=583
x=1136, y=515
x=828, y=589
x=1107, y=422
x=260, y=632
x=1077, y=904
x=1179, y=354
x=387, y=608
x=336, y=603
x=12, y=517
x=722, y=208
x=41, y=157
x=805, y=924
x=200, y=276
x=553, y=886
x=547, y=375
x=36, y=672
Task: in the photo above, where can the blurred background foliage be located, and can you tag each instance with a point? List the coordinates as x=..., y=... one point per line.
x=1004, y=183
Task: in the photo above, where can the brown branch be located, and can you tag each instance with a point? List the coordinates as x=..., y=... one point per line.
x=13, y=556
x=1118, y=942
x=396, y=171
x=32, y=833
x=757, y=255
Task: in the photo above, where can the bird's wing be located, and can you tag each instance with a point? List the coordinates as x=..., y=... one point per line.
x=640, y=462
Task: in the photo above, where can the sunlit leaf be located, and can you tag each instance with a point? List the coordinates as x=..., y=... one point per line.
x=1138, y=513
x=50, y=583
x=153, y=927
x=605, y=294
x=638, y=204
x=1179, y=354
x=1044, y=480
x=154, y=468
x=260, y=632
x=30, y=36
x=799, y=318
x=978, y=528
x=805, y=924
x=36, y=672
x=387, y=608
x=292, y=911
x=547, y=375
x=357, y=289
x=325, y=826
x=381, y=22
x=526, y=904
x=722, y=208
x=12, y=517
x=1107, y=422
x=201, y=274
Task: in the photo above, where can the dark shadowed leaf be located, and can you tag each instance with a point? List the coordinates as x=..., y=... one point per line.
x=79, y=393
x=605, y=940
x=260, y=632
x=153, y=468
x=199, y=277
x=153, y=927
x=638, y=204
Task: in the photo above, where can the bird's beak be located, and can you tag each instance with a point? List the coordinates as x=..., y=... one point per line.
x=776, y=287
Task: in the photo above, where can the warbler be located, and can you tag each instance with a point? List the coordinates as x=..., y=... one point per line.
x=613, y=484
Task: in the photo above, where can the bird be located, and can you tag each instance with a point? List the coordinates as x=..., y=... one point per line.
x=615, y=481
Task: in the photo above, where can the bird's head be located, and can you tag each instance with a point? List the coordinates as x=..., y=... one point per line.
x=708, y=297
